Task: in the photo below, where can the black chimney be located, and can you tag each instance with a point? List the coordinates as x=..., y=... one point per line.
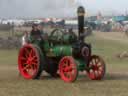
x=80, y=13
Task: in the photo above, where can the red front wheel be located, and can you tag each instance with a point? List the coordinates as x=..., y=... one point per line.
x=96, y=67
x=68, y=69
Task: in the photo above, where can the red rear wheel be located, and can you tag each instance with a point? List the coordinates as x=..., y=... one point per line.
x=29, y=62
x=96, y=68
x=68, y=69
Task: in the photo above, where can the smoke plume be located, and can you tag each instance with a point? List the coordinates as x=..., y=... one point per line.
x=37, y=8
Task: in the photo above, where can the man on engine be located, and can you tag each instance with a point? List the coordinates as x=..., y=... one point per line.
x=36, y=33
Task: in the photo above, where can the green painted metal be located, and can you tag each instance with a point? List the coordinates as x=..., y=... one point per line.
x=34, y=41
x=56, y=50
x=69, y=38
x=40, y=51
x=61, y=50
x=45, y=45
x=81, y=64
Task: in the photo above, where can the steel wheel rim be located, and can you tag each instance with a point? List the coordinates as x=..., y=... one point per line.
x=68, y=69
x=96, y=68
x=28, y=61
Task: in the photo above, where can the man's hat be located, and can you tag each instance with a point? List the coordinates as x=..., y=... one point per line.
x=34, y=25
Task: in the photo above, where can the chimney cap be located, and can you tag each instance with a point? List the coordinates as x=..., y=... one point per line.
x=80, y=10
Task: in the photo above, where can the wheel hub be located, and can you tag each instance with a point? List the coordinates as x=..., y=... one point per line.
x=95, y=67
x=68, y=69
x=29, y=61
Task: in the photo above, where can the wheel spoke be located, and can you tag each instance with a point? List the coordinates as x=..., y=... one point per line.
x=34, y=60
x=91, y=64
x=66, y=69
x=26, y=53
x=23, y=58
x=94, y=62
x=24, y=64
x=96, y=73
x=92, y=73
x=66, y=62
x=34, y=65
x=70, y=75
x=72, y=66
x=34, y=57
x=99, y=64
x=63, y=69
x=31, y=70
x=100, y=73
x=100, y=68
x=30, y=53
x=97, y=60
x=25, y=67
x=64, y=66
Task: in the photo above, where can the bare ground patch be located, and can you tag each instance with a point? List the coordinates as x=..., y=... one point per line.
x=115, y=36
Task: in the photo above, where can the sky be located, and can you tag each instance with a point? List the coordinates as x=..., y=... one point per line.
x=59, y=8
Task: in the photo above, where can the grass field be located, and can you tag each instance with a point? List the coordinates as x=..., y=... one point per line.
x=107, y=45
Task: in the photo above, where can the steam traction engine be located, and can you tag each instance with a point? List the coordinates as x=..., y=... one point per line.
x=62, y=52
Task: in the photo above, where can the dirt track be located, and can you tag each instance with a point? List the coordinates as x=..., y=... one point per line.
x=115, y=36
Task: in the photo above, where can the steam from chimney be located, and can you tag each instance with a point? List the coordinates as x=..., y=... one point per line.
x=80, y=2
x=38, y=8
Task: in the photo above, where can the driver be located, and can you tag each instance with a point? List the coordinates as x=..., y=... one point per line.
x=36, y=32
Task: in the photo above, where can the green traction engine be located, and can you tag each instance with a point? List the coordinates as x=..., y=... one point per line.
x=61, y=53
